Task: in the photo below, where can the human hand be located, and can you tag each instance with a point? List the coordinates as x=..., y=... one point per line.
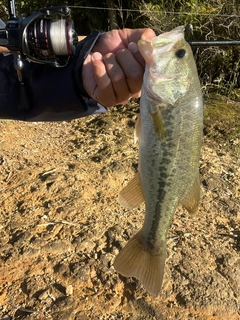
x=113, y=72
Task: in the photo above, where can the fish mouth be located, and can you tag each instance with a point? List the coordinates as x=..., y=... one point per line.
x=173, y=34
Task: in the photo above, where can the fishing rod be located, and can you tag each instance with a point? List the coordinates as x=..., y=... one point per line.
x=208, y=43
x=214, y=43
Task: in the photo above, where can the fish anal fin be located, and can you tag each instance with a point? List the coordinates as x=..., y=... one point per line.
x=135, y=261
x=131, y=196
x=191, y=201
x=158, y=123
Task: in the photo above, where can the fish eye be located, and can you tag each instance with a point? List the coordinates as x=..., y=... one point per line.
x=180, y=53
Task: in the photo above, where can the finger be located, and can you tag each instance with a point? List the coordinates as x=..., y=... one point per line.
x=144, y=34
x=96, y=81
x=117, y=77
x=137, y=55
x=105, y=90
x=87, y=76
x=137, y=95
x=133, y=35
x=132, y=69
x=147, y=34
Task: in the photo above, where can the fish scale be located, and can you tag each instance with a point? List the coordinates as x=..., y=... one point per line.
x=170, y=132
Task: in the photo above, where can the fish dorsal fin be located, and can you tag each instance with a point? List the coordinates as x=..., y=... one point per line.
x=131, y=196
x=191, y=200
x=158, y=123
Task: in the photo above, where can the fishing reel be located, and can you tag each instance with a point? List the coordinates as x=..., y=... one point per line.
x=46, y=36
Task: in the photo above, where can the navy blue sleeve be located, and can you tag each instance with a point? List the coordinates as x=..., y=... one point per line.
x=55, y=94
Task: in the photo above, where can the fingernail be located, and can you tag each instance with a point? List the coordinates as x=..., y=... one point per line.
x=96, y=56
x=133, y=47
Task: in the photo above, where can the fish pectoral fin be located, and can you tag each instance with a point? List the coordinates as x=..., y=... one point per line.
x=191, y=201
x=137, y=129
x=158, y=123
x=135, y=261
x=131, y=196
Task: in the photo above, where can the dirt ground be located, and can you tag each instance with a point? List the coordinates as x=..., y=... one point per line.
x=61, y=225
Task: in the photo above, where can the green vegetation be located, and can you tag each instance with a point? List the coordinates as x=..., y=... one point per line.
x=212, y=20
x=222, y=120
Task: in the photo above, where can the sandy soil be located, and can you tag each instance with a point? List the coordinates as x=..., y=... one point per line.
x=61, y=224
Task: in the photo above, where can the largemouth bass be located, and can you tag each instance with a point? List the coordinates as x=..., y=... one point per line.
x=169, y=129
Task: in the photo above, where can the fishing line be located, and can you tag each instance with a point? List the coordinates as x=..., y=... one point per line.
x=58, y=36
x=157, y=11
x=62, y=36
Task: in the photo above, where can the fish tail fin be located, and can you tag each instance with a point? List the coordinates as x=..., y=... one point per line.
x=135, y=261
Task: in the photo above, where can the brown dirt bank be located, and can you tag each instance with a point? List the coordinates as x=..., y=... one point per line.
x=61, y=225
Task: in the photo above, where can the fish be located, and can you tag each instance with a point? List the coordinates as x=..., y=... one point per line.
x=169, y=129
